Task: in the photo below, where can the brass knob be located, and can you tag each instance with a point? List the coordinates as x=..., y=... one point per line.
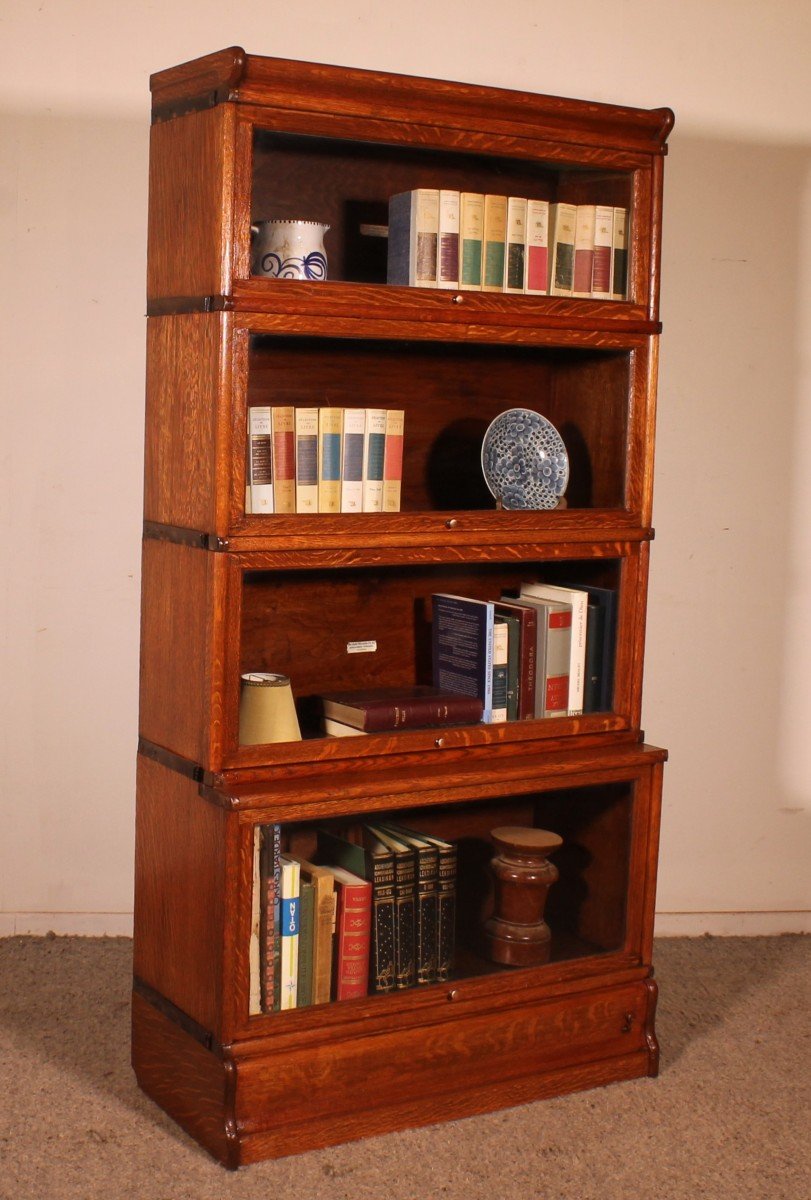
x=439, y=743
x=451, y=523
x=453, y=994
x=458, y=299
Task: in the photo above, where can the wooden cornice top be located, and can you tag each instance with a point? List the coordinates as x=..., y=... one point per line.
x=282, y=84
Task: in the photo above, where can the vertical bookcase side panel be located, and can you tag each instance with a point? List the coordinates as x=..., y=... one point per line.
x=657, y=186
x=181, y=656
x=640, y=433
x=642, y=218
x=648, y=840
x=191, y=189
x=627, y=668
x=243, y=189
x=180, y=883
x=637, y=639
x=186, y=476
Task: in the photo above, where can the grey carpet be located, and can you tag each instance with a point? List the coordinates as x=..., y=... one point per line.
x=727, y=1117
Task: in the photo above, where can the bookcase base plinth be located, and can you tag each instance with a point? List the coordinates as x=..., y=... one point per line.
x=255, y=1100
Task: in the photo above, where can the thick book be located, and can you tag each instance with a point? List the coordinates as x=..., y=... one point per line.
x=306, y=460
x=602, y=616
x=462, y=647
x=304, y=987
x=333, y=728
x=283, y=424
x=324, y=904
x=405, y=901
x=393, y=459
x=288, y=979
x=330, y=421
x=555, y=622
x=603, y=242
x=372, y=710
x=471, y=232
x=374, y=862
x=427, y=901
x=577, y=598
x=494, y=243
x=536, y=258
x=501, y=648
x=270, y=933
x=562, y=218
x=413, y=235
x=619, y=260
x=515, y=244
x=353, y=927
x=352, y=435
x=260, y=459
x=374, y=448
x=527, y=619
x=446, y=906
x=583, y=251
x=447, y=262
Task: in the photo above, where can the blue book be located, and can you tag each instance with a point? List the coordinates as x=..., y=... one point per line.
x=462, y=644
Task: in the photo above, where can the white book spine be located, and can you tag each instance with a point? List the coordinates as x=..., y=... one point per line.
x=260, y=460
x=352, y=439
x=288, y=979
x=577, y=664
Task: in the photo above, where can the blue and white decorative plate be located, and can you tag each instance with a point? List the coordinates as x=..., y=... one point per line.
x=524, y=460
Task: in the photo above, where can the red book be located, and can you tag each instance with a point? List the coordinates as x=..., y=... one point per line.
x=527, y=653
x=353, y=928
x=377, y=709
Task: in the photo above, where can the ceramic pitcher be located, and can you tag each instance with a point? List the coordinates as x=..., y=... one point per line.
x=289, y=249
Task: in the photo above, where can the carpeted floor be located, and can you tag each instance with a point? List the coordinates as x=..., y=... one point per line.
x=727, y=1117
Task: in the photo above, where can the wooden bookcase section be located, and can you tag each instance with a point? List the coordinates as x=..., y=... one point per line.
x=238, y=138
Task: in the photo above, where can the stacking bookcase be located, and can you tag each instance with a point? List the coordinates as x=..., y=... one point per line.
x=238, y=139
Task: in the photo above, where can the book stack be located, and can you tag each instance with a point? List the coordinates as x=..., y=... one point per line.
x=549, y=652
x=375, y=915
x=474, y=242
x=323, y=460
x=376, y=710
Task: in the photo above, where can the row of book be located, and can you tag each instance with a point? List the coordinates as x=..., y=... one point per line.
x=371, y=916
x=473, y=242
x=323, y=460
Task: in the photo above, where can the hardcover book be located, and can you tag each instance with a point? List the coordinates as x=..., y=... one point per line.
x=413, y=234
x=374, y=862
x=374, y=710
x=577, y=599
x=270, y=929
x=306, y=460
x=462, y=648
x=603, y=242
x=584, y=251
x=427, y=900
x=373, y=459
x=260, y=460
x=353, y=927
x=562, y=218
x=330, y=421
x=447, y=267
x=354, y=429
x=471, y=233
x=516, y=244
x=393, y=460
x=494, y=243
x=290, y=880
x=536, y=261
x=304, y=988
x=324, y=911
x=446, y=905
x=405, y=893
x=527, y=652
x=284, y=459
x=619, y=267
x=501, y=645
x=512, y=625
x=602, y=617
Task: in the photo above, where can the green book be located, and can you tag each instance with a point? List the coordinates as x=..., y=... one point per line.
x=304, y=995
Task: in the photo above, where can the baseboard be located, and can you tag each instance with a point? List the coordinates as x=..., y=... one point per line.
x=731, y=924
x=65, y=924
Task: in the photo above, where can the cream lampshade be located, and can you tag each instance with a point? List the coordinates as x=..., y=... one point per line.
x=266, y=710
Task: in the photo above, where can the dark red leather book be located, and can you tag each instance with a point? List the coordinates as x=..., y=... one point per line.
x=353, y=928
x=379, y=709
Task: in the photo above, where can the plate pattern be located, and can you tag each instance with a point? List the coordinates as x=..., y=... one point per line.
x=524, y=460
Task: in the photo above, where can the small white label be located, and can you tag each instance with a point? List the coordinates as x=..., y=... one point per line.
x=361, y=647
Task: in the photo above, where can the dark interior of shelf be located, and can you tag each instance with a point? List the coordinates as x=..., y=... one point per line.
x=450, y=393
x=586, y=906
x=300, y=623
x=347, y=184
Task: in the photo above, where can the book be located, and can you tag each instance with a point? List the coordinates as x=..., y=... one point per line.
x=604, y=601
x=373, y=861
x=603, y=242
x=373, y=457
x=283, y=425
x=324, y=908
x=254, y=949
x=393, y=460
x=501, y=644
x=260, y=460
x=595, y=641
x=512, y=624
x=353, y=927
x=494, y=241
x=527, y=619
x=352, y=434
x=270, y=934
x=333, y=728
x=306, y=460
x=583, y=250
x=577, y=599
x=330, y=422
x=447, y=262
x=619, y=261
x=446, y=906
x=289, y=893
x=413, y=234
x=304, y=985
x=536, y=258
x=555, y=624
x=372, y=710
x=462, y=648
x=515, y=244
x=562, y=218
x=405, y=887
x=471, y=232
x=427, y=900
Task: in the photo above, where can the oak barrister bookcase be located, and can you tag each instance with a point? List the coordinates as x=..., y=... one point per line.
x=237, y=138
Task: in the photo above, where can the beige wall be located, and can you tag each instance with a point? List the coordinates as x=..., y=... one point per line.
x=729, y=656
